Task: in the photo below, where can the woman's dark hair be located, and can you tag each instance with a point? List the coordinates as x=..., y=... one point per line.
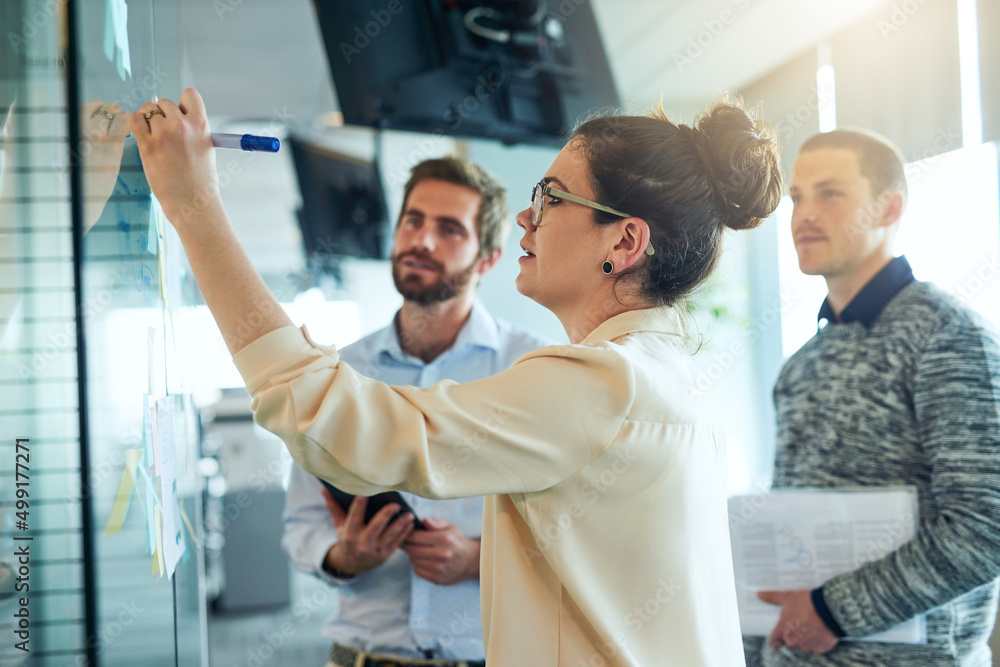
x=687, y=183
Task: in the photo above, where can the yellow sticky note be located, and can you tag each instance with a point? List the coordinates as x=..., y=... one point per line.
x=158, y=528
x=132, y=458
x=120, y=508
x=190, y=528
x=123, y=498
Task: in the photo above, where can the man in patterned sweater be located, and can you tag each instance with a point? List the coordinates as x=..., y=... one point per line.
x=900, y=387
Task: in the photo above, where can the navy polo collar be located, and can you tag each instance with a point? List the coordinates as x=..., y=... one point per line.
x=868, y=304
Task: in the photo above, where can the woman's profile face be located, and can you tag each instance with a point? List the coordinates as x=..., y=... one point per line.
x=561, y=265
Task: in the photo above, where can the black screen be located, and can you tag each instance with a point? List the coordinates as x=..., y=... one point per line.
x=343, y=210
x=511, y=70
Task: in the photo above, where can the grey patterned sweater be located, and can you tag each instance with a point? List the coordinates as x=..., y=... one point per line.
x=915, y=399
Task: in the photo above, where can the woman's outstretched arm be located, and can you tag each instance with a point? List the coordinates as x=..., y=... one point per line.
x=179, y=161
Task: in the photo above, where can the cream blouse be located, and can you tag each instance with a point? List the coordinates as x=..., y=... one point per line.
x=605, y=538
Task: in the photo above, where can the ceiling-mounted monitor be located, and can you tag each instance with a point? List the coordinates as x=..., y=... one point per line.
x=511, y=70
x=344, y=210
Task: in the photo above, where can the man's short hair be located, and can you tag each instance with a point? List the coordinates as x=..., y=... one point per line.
x=880, y=160
x=493, y=220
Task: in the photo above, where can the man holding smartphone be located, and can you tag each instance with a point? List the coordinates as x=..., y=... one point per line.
x=412, y=597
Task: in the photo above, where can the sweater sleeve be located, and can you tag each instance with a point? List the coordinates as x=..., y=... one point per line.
x=524, y=429
x=956, y=405
x=752, y=648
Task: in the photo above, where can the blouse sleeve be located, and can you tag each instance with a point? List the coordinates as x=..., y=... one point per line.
x=519, y=431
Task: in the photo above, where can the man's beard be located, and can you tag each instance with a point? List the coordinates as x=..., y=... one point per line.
x=448, y=287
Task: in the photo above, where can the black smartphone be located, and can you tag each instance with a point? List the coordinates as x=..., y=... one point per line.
x=375, y=503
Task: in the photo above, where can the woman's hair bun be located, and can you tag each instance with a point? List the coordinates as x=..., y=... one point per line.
x=742, y=154
x=689, y=183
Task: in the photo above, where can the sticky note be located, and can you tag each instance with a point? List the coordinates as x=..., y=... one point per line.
x=190, y=528
x=116, y=47
x=158, y=530
x=123, y=498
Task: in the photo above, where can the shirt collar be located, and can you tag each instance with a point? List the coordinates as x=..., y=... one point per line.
x=663, y=320
x=479, y=330
x=868, y=304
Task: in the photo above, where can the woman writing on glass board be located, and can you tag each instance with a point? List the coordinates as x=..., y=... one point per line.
x=605, y=535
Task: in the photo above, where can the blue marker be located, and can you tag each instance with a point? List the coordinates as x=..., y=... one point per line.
x=247, y=142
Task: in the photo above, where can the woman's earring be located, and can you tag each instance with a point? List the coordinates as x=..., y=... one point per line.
x=608, y=267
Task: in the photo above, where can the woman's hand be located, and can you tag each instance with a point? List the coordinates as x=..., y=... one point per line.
x=177, y=156
x=103, y=128
x=179, y=161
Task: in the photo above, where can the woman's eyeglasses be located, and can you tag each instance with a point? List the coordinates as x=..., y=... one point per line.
x=542, y=189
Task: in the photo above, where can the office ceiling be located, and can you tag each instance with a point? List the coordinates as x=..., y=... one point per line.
x=261, y=66
x=264, y=59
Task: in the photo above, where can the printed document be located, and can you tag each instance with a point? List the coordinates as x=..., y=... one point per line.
x=798, y=538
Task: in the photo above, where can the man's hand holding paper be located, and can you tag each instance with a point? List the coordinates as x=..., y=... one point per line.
x=789, y=542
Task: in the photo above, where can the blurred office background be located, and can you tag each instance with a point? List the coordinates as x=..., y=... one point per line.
x=316, y=219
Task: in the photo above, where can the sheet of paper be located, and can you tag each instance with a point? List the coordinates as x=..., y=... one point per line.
x=154, y=433
x=173, y=539
x=152, y=501
x=797, y=539
x=147, y=432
